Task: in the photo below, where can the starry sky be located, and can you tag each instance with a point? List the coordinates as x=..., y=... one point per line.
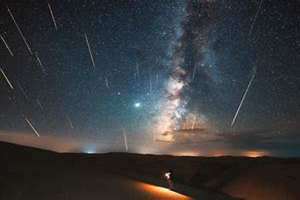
x=97, y=76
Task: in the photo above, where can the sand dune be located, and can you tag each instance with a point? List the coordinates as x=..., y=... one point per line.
x=39, y=174
x=268, y=182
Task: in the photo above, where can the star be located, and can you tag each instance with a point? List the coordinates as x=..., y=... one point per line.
x=137, y=105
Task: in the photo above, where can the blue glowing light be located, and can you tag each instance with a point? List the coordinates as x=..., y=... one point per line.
x=90, y=152
x=137, y=105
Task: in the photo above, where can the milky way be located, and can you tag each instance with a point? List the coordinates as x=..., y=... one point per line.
x=195, y=37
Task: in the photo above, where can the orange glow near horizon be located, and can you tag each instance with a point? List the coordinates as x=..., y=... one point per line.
x=218, y=153
x=255, y=154
x=186, y=153
x=162, y=193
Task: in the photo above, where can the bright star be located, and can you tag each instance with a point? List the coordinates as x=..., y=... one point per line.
x=137, y=104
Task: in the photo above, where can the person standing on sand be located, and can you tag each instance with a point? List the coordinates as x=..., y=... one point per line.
x=169, y=177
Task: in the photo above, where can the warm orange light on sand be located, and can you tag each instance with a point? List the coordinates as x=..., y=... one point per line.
x=163, y=193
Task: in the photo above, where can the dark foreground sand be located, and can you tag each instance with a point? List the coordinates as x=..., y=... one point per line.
x=27, y=173
x=33, y=174
x=84, y=185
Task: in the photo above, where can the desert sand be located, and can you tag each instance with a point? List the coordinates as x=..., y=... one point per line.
x=29, y=173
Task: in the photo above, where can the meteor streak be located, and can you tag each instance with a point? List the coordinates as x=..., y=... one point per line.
x=70, y=121
x=106, y=83
x=31, y=126
x=5, y=43
x=7, y=80
x=21, y=33
x=52, y=16
x=150, y=85
x=194, y=122
x=125, y=140
x=40, y=63
x=90, y=51
x=255, y=17
x=243, y=98
x=39, y=104
x=194, y=72
x=22, y=90
x=137, y=67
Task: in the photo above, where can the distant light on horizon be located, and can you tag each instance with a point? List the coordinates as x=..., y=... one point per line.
x=90, y=152
x=255, y=154
x=90, y=149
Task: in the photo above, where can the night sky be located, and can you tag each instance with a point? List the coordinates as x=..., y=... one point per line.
x=201, y=77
